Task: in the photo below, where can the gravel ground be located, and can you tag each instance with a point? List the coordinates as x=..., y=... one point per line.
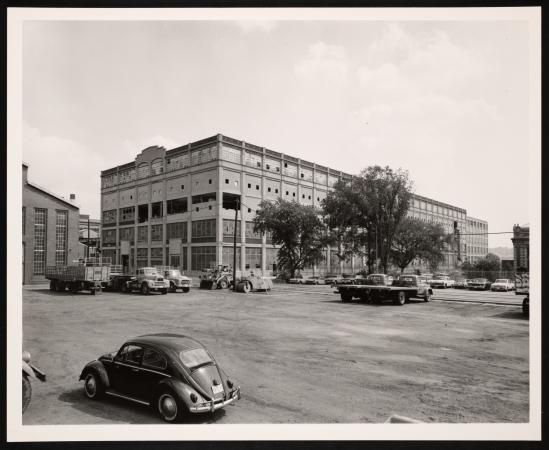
x=298, y=353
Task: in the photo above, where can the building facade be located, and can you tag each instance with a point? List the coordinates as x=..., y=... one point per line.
x=50, y=231
x=521, y=247
x=167, y=206
x=476, y=238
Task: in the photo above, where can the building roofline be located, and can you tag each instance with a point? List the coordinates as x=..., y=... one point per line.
x=51, y=194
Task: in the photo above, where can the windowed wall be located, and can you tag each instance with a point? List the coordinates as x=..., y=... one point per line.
x=142, y=257
x=156, y=233
x=61, y=238
x=252, y=236
x=143, y=233
x=156, y=256
x=228, y=230
x=271, y=259
x=127, y=234
x=204, y=231
x=253, y=258
x=108, y=237
x=228, y=256
x=126, y=215
x=176, y=230
x=39, y=261
x=176, y=206
x=109, y=217
x=202, y=257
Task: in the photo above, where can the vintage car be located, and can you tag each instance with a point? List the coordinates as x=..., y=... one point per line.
x=441, y=282
x=478, y=284
x=297, y=279
x=460, y=284
x=315, y=280
x=172, y=373
x=502, y=284
x=147, y=280
x=29, y=371
x=332, y=279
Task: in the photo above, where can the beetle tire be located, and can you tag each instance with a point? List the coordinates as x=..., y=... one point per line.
x=93, y=386
x=27, y=393
x=170, y=408
x=400, y=298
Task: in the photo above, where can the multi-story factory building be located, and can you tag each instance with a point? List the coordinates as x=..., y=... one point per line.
x=167, y=206
x=476, y=238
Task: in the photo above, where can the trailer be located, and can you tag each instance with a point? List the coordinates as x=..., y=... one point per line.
x=376, y=288
x=522, y=287
x=78, y=277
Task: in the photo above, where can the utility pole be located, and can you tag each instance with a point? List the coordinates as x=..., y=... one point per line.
x=88, y=250
x=237, y=206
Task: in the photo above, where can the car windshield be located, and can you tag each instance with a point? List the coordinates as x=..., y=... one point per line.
x=150, y=272
x=376, y=279
x=502, y=280
x=174, y=273
x=440, y=277
x=479, y=280
x=195, y=358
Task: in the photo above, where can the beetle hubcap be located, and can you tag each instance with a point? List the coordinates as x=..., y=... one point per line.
x=167, y=407
x=91, y=385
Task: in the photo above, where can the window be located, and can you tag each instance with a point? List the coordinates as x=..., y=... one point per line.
x=249, y=210
x=108, y=181
x=268, y=189
x=257, y=187
x=276, y=191
x=156, y=232
x=204, y=198
x=143, y=213
x=228, y=256
x=293, y=194
x=154, y=360
x=226, y=181
x=302, y=195
x=309, y=197
x=252, y=160
x=202, y=257
x=157, y=167
x=126, y=215
x=178, y=162
x=127, y=176
x=176, y=230
x=210, y=181
x=230, y=154
x=61, y=238
x=251, y=235
x=182, y=186
x=156, y=257
x=109, y=237
x=127, y=234
x=132, y=354
x=228, y=230
x=39, y=261
x=204, y=155
x=142, y=234
x=143, y=170
x=287, y=192
x=271, y=259
x=249, y=185
x=109, y=216
x=142, y=257
x=203, y=230
x=268, y=167
x=253, y=258
x=156, y=210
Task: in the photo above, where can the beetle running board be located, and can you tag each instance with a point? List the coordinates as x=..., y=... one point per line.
x=116, y=394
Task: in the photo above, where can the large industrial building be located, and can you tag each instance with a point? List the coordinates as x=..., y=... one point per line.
x=166, y=207
x=476, y=239
x=50, y=230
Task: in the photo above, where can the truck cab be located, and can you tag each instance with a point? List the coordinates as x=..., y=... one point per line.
x=176, y=279
x=148, y=280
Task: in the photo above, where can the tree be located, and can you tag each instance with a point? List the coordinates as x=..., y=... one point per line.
x=487, y=267
x=296, y=228
x=372, y=204
x=417, y=239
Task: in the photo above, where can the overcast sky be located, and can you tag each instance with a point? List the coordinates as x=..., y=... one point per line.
x=448, y=101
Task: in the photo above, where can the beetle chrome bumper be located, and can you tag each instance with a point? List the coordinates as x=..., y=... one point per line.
x=212, y=406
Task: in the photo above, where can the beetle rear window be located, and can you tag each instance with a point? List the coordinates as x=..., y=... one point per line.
x=194, y=358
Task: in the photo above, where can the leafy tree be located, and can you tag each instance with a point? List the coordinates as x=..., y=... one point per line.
x=417, y=239
x=296, y=228
x=487, y=267
x=371, y=204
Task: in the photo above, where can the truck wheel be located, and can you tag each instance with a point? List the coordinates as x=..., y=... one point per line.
x=346, y=296
x=246, y=287
x=164, y=291
x=53, y=286
x=124, y=287
x=172, y=287
x=223, y=284
x=400, y=298
x=145, y=289
x=27, y=393
x=186, y=289
x=427, y=297
x=526, y=307
x=60, y=286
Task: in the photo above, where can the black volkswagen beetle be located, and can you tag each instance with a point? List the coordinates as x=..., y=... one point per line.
x=174, y=374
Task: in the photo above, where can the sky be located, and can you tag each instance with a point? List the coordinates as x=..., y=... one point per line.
x=446, y=100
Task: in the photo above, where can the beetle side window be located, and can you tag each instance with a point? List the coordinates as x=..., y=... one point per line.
x=154, y=360
x=132, y=354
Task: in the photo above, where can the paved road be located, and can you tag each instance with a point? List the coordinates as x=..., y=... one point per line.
x=299, y=354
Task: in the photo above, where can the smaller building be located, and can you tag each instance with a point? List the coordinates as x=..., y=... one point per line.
x=521, y=247
x=476, y=239
x=88, y=236
x=50, y=230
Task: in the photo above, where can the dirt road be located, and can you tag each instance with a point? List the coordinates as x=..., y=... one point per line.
x=299, y=355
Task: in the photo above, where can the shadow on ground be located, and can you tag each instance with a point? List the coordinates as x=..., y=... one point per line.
x=512, y=314
x=118, y=410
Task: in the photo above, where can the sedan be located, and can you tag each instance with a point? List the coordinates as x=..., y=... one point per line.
x=315, y=280
x=298, y=279
x=172, y=373
x=460, y=284
x=479, y=284
x=502, y=284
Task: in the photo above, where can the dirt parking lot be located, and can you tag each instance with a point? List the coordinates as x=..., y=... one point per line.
x=299, y=354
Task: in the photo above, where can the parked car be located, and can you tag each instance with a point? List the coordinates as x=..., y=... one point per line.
x=332, y=279
x=315, y=280
x=460, y=284
x=298, y=279
x=172, y=373
x=176, y=279
x=479, y=284
x=442, y=282
x=29, y=371
x=502, y=284
x=147, y=280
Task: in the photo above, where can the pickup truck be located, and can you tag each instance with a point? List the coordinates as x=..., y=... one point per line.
x=442, y=282
x=146, y=280
x=376, y=288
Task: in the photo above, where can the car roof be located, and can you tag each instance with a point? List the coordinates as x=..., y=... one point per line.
x=165, y=341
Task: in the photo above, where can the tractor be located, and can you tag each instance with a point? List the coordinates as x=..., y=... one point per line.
x=218, y=278
x=253, y=282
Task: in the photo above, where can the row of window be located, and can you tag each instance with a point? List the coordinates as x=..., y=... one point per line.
x=426, y=206
x=40, y=233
